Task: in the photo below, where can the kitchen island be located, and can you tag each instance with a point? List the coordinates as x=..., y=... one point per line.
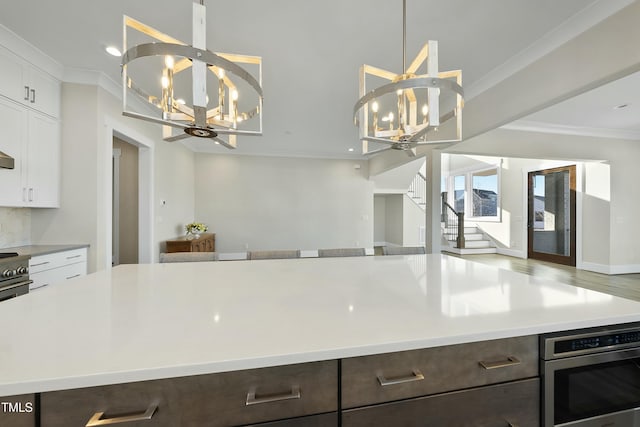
x=149, y=322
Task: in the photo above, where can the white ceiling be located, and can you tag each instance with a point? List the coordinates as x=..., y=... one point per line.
x=311, y=50
x=612, y=110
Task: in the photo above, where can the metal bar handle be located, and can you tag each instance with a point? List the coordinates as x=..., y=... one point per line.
x=26, y=93
x=253, y=400
x=97, y=419
x=33, y=96
x=511, y=361
x=74, y=256
x=75, y=275
x=39, y=264
x=416, y=375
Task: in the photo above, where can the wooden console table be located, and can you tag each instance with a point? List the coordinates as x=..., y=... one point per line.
x=205, y=243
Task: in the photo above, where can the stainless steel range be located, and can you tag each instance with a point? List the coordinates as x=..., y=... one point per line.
x=14, y=275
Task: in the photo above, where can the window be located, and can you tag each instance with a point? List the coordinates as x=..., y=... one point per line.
x=484, y=191
x=476, y=193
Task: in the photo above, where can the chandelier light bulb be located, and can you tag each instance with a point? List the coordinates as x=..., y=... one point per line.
x=390, y=117
x=234, y=95
x=165, y=82
x=169, y=62
x=220, y=73
x=374, y=107
x=425, y=109
x=181, y=101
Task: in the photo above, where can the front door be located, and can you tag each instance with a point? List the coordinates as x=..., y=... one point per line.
x=552, y=215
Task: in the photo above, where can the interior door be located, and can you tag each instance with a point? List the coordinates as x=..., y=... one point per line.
x=552, y=215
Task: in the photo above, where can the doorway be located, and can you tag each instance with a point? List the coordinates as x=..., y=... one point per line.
x=125, y=214
x=551, y=221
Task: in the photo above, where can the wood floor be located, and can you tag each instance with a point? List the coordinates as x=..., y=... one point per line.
x=622, y=285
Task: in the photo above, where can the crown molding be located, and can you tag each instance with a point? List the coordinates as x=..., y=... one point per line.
x=533, y=126
x=596, y=12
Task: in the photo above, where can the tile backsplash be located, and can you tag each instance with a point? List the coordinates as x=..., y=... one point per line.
x=15, y=227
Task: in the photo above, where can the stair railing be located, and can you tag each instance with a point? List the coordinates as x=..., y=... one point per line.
x=453, y=222
x=418, y=190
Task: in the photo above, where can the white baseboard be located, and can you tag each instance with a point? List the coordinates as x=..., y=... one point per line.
x=516, y=253
x=625, y=269
x=596, y=268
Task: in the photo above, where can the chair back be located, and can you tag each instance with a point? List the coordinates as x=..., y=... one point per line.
x=340, y=252
x=276, y=254
x=403, y=250
x=188, y=256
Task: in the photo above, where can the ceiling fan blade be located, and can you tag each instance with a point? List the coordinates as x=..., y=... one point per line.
x=177, y=137
x=374, y=152
x=379, y=140
x=223, y=142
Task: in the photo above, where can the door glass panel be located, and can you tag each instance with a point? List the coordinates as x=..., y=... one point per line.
x=552, y=213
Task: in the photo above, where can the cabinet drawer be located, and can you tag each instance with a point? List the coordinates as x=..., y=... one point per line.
x=511, y=404
x=393, y=376
x=56, y=275
x=18, y=411
x=226, y=399
x=322, y=420
x=57, y=259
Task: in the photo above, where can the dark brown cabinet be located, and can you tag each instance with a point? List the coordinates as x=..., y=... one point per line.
x=205, y=243
x=480, y=384
x=225, y=399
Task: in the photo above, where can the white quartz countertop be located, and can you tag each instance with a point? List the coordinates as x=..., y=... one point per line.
x=141, y=322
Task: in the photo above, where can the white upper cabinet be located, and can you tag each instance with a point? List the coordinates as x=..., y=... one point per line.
x=33, y=140
x=29, y=132
x=13, y=137
x=28, y=85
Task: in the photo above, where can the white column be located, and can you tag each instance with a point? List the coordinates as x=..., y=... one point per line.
x=432, y=220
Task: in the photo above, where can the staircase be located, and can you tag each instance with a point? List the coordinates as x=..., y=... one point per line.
x=418, y=191
x=476, y=242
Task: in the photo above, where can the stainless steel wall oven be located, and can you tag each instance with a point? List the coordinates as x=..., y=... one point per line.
x=591, y=377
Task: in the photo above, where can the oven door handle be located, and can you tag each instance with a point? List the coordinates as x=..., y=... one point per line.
x=16, y=285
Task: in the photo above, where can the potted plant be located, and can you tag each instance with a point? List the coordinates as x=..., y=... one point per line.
x=194, y=229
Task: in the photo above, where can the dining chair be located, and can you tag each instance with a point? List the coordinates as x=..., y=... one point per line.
x=188, y=256
x=273, y=254
x=340, y=252
x=403, y=250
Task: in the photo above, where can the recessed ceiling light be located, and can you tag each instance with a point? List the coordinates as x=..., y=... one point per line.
x=112, y=50
x=620, y=107
x=350, y=149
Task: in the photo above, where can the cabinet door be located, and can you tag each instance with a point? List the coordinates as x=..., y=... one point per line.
x=44, y=92
x=13, y=134
x=43, y=172
x=12, y=76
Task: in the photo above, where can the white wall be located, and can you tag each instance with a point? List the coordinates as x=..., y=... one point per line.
x=260, y=203
x=90, y=115
x=414, y=217
x=379, y=219
x=394, y=219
